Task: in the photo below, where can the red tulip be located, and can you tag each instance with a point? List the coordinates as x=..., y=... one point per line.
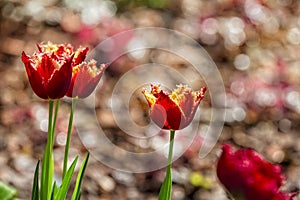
x=65, y=51
x=247, y=176
x=85, y=78
x=173, y=111
x=49, y=76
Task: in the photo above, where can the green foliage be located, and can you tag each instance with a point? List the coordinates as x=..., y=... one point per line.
x=7, y=192
x=54, y=191
x=35, y=187
x=77, y=192
x=124, y=5
x=62, y=191
x=48, y=190
x=166, y=188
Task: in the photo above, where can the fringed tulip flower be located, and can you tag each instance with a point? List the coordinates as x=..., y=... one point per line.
x=65, y=51
x=85, y=78
x=176, y=110
x=247, y=176
x=49, y=76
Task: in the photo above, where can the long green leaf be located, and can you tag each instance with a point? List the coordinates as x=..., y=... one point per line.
x=76, y=193
x=79, y=195
x=54, y=191
x=62, y=193
x=166, y=188
x=47, y=173
x=35, y=187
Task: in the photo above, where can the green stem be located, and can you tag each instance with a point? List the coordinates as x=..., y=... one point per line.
x=166, y=188
x=49, y=162
x=172, y=135
x=54, y=121
x=46, y=178
x=50, y=118
x=68, y=137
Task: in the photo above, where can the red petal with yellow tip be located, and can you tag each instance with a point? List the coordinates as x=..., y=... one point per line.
x=79, y=56
x=173, y=111
x=49, y=71
x=85, y=79
x=64, y=51
x=166, y=114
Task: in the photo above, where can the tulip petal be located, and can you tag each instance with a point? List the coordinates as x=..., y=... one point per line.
x=151, y=99
x=247, y=176
x=89, y=87
x=53, y=68
x=167, y=112
x=35, y=79
x=184, y=98
x=85, y=79
x=82, y=85
x=45, y=66
x=79, y=56
x=174, y=111
x=60, y=81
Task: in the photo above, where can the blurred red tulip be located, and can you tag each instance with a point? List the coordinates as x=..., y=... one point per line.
x=247, y=176
x=85, y=78
x=173, y=111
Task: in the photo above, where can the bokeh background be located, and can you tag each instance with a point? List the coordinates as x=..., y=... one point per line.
x=255, y=45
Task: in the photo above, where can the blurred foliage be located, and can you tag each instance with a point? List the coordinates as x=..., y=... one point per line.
x=198, y=180
x=124, y=5
x=7, y=192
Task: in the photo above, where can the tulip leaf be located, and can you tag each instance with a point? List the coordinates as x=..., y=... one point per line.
x=77, y=192
x=47, y=173
x=79, y=195
x=6, y=192
x=35, y=187
x=62, y=192
x=54, y=191
x=166, y=188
